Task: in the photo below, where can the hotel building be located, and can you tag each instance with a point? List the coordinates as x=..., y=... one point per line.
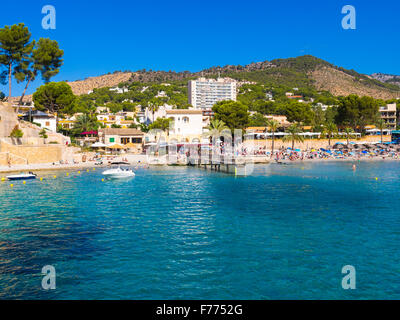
x=388, y=114
x=204, y=93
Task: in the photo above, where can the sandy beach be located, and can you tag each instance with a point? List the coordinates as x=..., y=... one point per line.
x=135, y=160
x=131, y=159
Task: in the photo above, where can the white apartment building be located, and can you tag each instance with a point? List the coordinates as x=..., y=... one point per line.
x=204, y=93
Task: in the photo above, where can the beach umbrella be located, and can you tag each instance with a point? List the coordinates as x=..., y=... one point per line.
x=116, y=146
x=130, y=145
x=338, y=146
x=92, y=132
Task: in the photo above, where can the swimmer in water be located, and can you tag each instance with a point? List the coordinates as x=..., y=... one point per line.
x=354, y=167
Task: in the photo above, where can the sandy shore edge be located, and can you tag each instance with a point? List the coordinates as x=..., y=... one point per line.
x=90, y=165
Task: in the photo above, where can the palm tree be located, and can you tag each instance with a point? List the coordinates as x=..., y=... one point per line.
x=381, y=124
x=294, y=135
x=153, y=107
x=348, y=131
x=85, y=122
x=330, y=128
x=273, y=126
x=216, y=124
x=215, y=128
x=154, y=104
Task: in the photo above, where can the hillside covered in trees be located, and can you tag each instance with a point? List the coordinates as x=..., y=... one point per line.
x=287, y=87
x=305, y=72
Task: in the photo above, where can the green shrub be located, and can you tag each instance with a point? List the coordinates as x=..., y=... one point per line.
x=43, y=134
x=16, y=132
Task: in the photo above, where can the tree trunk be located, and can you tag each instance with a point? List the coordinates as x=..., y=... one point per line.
x=293, y=144
x=347, y=139
x=56, y=112
x=272, y=147
x=329, y=140
x=381, y=135
x=23, y=94
x=9, y=83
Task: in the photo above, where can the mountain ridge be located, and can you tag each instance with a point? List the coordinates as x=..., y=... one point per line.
x=387, y=78
x=303, y=71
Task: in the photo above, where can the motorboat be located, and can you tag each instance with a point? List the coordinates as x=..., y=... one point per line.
x=118, y=173
x=22, y=176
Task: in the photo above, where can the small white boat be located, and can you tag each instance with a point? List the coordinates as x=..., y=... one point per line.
x=118, y=173
x=22, y=176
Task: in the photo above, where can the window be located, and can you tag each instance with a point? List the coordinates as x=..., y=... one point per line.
x=185, y=120
x=47, y=123
x=136, y=140
x=125, y=140
x=112, y=139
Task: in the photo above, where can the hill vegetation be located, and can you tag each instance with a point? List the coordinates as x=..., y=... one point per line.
x=386, y=78
x=308, y=73
x=263, y=89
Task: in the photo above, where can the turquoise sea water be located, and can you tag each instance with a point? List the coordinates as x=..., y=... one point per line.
x=182, y=233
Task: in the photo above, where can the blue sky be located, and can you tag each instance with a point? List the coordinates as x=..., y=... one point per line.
x=104, y=36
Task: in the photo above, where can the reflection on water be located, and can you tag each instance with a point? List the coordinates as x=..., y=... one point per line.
x=175, y=233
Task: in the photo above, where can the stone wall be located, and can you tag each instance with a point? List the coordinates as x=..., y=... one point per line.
x=32, y=154
x=7, y=158
x=31, y=148
x=8, y=120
